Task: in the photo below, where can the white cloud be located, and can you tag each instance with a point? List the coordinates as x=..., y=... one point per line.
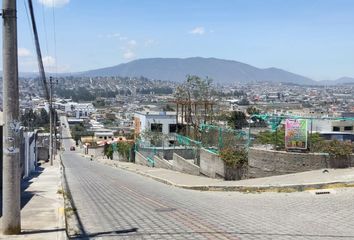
x=54, y=3
x=197, y=31
x=123, y=38
x=150, y=43
x=30, y=64
x=132, y=43
x=24, y=52
x=129, y=54
x=129, y=49
x=110, y=35
x=49, y=61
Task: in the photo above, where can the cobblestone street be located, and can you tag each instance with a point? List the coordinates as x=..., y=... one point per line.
x=115, y=204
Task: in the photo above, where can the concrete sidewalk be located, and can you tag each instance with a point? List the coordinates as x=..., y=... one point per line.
x=311, y=180
x=42, y=214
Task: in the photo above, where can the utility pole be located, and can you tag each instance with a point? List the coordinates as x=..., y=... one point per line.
x=11, y=219
x=50, y=122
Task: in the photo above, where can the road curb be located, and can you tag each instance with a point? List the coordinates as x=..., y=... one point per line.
x=73, y=227
x=243, y=189
x=251, y=189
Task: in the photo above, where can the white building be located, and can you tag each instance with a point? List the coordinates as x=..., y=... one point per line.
x=77, y=109
x=164, y=122
x=103, y=134
x=84, y=109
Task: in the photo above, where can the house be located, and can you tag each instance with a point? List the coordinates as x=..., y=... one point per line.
x=163, y=122
x=79, y=110
x=103, y=134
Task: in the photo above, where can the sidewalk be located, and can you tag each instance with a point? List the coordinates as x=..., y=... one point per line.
x=311, y=180
x=42, y=216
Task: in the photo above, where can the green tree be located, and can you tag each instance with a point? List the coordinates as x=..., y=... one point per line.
x=78, y=131
x=252, y=110
x=108, y=151
x=124, y=149
x=276, y=138
x=237, y=120
x=44, y=116
x=32, y=119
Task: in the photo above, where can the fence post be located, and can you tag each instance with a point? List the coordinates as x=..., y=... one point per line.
x=220, y=139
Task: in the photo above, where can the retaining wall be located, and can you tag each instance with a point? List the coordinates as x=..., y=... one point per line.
x=140, y=159
x=167, y=153
x=211, y=165
x=264, y=163
x=182, y=165
x=162, y=163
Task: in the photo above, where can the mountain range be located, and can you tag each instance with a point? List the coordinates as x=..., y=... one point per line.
x=220, y=70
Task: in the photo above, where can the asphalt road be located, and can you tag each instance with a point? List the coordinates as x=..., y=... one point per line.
x=115, y=204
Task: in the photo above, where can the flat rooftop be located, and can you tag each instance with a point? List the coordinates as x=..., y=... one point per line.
x=155, y=113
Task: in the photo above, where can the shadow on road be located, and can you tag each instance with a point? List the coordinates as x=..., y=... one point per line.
x=107, y=233
x=26, y=232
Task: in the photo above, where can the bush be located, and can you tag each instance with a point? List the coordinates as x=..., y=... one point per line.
x=335, y=148
x=108, y=151
x=234, y=157
x=275, y=138
x=124, y=149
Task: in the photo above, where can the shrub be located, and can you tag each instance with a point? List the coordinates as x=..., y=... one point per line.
x=124, y=148
x=234, y=157
x=336, y=148
x=108, y=151
x=275, y=138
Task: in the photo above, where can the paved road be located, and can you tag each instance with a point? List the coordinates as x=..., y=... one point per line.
x=115, y=204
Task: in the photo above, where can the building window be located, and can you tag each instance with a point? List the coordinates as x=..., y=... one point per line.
x=156, y=127
x=336, y=129
x=348, y=128
x=172, y=128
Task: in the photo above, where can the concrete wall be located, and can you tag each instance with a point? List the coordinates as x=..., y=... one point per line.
x=30, y=153
x=182, y=165
x=118, y=157
x=167, y=153
x=96, y=152
x=140, y=159
x=263, y=163
x=162, y=163
x=186, y=153
x=42, y=153
x=211, y=165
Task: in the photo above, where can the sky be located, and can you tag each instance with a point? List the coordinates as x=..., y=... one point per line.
x=314, y=38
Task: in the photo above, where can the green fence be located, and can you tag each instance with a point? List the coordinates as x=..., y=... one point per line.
x=216, y=138
x=147, y=151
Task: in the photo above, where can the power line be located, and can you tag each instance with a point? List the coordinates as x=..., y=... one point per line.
x=29, y=22
x=45, y=29
x=38, y=50
x=55, y=40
